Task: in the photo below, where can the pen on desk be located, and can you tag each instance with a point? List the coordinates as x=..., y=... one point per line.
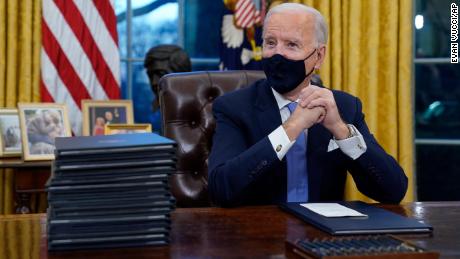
x=346, y=246
x=361, y=246
x=388, y=241
x=369, y=245
x=408, y=248
x=306, y=245
x=328, y=247
x=356, y=243
x=313, y=247
x=324, y=248
x=374, y=241
x=334, y=244
x=349, y=246
x=337, y=248
x=309, y=246
x=343, y=250
x=392, y=245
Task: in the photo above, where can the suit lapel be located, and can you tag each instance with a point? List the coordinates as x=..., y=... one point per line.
x=267, y=112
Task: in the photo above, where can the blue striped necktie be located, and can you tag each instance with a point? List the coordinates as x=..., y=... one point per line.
x=296, y=157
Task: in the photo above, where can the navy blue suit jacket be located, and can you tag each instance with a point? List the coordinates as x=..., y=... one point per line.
x=244, y=169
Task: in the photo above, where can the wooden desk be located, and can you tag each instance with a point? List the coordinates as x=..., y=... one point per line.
x=29, y=177
x=253, y=232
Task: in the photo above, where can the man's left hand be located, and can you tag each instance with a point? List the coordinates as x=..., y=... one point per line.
x=313, y=96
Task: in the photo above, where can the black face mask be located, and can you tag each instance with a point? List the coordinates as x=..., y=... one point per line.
x=283, y=74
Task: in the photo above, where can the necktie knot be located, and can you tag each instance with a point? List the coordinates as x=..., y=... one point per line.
x=292, y=106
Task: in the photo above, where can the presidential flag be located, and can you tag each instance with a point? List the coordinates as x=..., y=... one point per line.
x=79, y=56
x=241, y=34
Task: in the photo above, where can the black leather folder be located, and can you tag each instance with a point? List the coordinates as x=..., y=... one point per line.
x=378, y=220
x=112, y=144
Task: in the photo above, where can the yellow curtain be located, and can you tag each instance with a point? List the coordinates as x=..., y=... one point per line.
x=20, y=42
x=369, y=55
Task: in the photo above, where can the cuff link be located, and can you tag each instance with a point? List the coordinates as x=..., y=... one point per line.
x=278, y=148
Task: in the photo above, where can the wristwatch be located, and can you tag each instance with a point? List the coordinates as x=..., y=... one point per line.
x=352, y=130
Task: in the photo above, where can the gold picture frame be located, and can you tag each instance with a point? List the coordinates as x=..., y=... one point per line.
x=40, y=124
x=111, y=129
x=96, y=114
x=10, y=133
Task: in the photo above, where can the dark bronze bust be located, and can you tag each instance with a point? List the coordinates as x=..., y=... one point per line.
x=162, y=60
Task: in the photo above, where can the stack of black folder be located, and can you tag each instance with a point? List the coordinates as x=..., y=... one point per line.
x=110, y=191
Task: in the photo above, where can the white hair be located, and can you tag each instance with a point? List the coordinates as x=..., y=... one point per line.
x=320, y=23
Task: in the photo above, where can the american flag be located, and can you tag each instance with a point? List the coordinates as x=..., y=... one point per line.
x=79, y=56
x=248, y=12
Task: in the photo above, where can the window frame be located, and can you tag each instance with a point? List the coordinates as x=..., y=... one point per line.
x=419, y=61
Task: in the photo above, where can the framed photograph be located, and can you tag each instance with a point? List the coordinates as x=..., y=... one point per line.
x=111, y=129
x=40, y=124
x=97, y=114
x=10, y=133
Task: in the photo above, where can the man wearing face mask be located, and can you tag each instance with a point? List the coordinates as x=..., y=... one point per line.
x=285, y=140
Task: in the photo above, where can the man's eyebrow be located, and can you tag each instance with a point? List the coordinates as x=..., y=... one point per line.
x=269, y=37
x=296, y=41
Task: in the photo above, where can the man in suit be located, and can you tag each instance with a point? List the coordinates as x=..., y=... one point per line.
x=284, y=139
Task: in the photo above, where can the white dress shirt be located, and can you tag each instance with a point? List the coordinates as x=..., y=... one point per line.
x=353, y=147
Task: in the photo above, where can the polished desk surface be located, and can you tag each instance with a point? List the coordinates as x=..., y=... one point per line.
x=251, y=232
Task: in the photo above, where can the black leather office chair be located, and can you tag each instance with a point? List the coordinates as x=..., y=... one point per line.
x=186, y=105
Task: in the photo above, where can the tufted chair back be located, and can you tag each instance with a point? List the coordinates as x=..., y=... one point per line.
x=186, y=107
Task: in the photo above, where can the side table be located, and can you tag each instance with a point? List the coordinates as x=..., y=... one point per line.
x=29, y=177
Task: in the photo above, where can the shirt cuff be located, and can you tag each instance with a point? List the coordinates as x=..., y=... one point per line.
x=353, y=147
x=280, y=142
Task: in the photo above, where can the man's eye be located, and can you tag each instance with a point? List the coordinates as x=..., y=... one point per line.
x=292, y=45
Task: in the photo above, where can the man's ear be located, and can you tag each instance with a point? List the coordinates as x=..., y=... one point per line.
x=321, y=56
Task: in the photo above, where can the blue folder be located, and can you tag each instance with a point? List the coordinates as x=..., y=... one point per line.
x=126, y=143
x=378, y=220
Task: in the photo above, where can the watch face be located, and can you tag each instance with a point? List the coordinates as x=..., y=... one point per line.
x=352, y=131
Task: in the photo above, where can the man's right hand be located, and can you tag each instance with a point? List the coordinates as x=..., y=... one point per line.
x=301, y=119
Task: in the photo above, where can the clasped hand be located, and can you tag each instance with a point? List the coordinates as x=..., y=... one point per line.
x=316, y=105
